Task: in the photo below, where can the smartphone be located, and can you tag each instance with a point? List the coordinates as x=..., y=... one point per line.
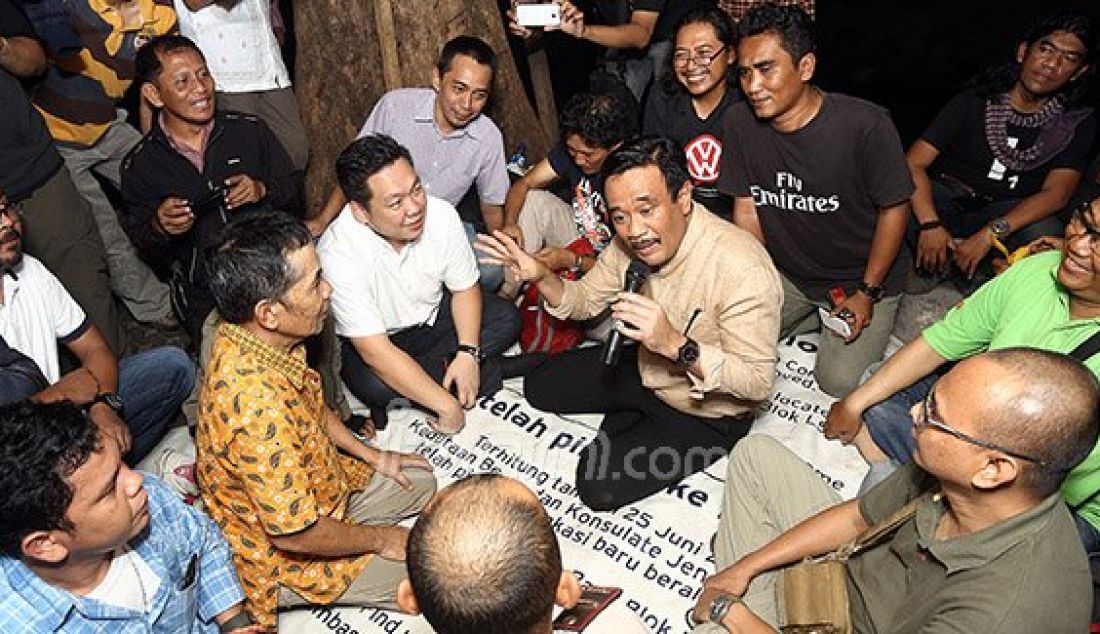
x=210, y=201
x=836, y=324
x=594, y=599
x=542, y=14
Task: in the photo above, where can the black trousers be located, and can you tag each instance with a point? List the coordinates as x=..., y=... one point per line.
x=644, y=445
x=433, y=347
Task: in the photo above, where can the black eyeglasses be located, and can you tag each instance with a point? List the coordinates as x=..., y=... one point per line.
x=928, y=418
x=1079, y=225
x=683, y=57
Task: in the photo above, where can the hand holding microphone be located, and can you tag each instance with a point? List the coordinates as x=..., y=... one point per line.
x=636, y=274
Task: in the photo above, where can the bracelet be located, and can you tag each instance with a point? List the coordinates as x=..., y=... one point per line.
x=931, y=224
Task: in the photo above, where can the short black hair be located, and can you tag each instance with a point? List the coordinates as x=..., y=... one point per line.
x=364, y=158
x=247, y=263
x=470, y=46
x=147, y=61
x=796, y=31
x=1050, y=416
x=659, y=152
x=601, y=120
x=41, y=445
x=483, y=560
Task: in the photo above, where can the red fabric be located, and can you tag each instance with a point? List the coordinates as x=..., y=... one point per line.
x=541, y=331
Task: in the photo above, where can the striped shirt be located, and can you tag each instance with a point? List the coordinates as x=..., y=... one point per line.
x=79, y=94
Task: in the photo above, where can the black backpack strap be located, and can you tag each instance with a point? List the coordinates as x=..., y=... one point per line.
x=1087, y=348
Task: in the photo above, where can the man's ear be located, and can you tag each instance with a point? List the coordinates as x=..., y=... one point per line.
x=43, y=546
x=806, y=67
x=151, y=94
x=266, y=313
x=569, y=591
x=437, y=79
x=406, y=600
x=1021, y=52
x=683, y=197
x=998, y=470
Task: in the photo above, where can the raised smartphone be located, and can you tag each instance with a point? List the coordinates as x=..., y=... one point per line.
x=538, y=15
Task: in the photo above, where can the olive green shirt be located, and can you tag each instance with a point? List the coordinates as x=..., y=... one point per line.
x=1025, y=575
x=1025, y=306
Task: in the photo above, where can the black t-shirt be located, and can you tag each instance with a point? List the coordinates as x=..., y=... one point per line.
x=585, y=197
x=958, y=132
x=673, y=116
x=818, y=191
x=28, y=157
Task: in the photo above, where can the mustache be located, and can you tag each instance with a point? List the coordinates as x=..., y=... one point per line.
x=10, y=233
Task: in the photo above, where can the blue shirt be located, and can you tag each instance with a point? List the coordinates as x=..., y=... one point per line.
x=176, y=534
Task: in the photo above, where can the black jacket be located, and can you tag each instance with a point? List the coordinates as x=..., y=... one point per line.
x=154, y=170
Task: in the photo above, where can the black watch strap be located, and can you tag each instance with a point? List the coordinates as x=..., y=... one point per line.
x=931, y=224
x=110, y=399
x=470, y=349
x=875, y=293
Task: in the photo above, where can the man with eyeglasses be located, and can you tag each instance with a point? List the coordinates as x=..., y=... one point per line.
x=62, y=230
x=1050, y=300
x=820, y=178
x=989, y=546
x=133, y=400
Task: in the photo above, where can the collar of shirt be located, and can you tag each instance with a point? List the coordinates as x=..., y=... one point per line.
x=196, y=156
x=978, y=549
x=426, y=114
x=11, y=284
x=53, y=605
x=110, y=14
x=293, y=365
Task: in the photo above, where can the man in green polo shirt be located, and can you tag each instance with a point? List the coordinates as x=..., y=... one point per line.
x=1049, y=301
x=989, y=546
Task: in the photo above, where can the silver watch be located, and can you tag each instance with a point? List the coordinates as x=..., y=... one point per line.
x=720, y=606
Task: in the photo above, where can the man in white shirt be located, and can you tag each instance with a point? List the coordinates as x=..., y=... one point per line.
x=36, y=312
x=242, y=53
x=459, y=151
x=412, y=320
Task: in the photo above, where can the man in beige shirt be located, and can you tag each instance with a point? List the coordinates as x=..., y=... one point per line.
x=706, y=319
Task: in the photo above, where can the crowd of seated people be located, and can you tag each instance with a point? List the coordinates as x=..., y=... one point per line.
x=740, y=202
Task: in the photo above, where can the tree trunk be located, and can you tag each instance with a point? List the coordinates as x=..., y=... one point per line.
x=350, y=53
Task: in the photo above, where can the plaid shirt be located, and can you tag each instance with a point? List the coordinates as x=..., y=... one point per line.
x=738, y=8
x=177, y=534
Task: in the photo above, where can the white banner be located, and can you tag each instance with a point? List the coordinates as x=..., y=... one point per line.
x=656, y=550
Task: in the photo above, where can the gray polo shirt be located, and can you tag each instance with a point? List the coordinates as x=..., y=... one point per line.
x=447, y=164
x=1027, y=574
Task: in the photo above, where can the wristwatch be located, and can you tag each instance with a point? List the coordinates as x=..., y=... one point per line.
x=720, y=606
x=1000, y=228
x=470, y=349
x=875, y=293
x=110, y=399
x=688, y=353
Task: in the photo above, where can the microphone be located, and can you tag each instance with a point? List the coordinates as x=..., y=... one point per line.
x=635, y=277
